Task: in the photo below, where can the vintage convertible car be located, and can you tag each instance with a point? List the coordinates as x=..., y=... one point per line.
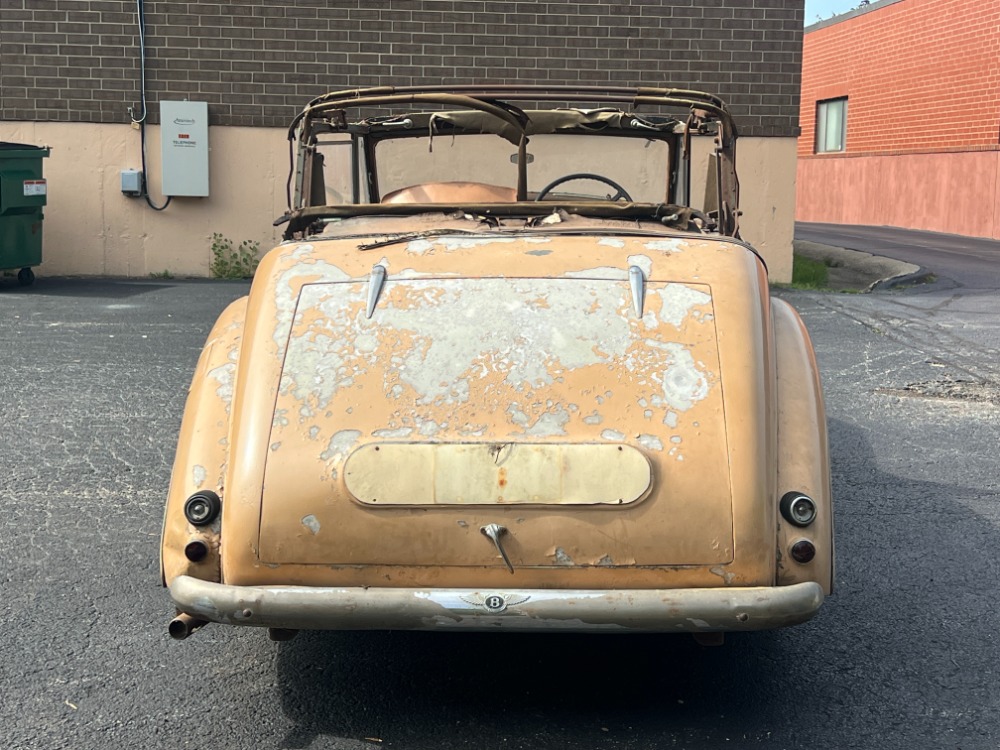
x=505, y=371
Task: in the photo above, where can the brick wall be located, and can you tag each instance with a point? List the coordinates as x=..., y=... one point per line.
x=920, y=75
x=257, y=62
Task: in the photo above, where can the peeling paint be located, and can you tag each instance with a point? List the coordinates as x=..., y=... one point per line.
x=667, y=245
x=650, y=442
x=593, y=418
x=401, y=432
x=419, y=247
x=223, y=375
x=464, y=243
x=539, y=252
x=724, y=574
x=339, y=446
x=549, y=423
x=198, y=476
x=311, y=523
x=677, y=301
x=560, y=557
x=613, y=435
x=642, y=261
x=611, y=242
x=605, y=562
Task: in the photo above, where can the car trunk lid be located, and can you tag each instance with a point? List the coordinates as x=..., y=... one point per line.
x=582, y=415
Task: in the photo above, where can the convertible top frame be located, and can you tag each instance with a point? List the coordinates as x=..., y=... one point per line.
x=327, y=113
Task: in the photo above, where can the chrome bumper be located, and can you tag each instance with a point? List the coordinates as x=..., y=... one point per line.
x=636, y=610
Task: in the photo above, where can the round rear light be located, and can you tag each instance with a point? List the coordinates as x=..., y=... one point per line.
x=195, y=550
x=202, y=508
x=798, y=509
x=803, y=551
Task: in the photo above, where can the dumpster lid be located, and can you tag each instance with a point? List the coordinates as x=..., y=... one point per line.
x=8, y=146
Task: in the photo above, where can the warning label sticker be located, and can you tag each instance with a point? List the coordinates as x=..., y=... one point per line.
x=34, y=187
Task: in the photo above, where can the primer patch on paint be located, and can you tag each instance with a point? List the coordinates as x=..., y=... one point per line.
x=464, y=243
x=339, y=446
x=549, y=423
x=669, y=245
x=539, y=252
x=642, y=261
x=677, y=301
x=650, y=442
x=683, y=383
x=311, y=523
x=603, y=272
x=724, y=574
x=285, y=296
x=561, y=558
x=402, y=432
x=419, y=247
x=223, y=376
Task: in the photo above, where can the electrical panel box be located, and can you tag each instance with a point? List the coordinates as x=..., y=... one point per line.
x=184, y=145
x=131, y=182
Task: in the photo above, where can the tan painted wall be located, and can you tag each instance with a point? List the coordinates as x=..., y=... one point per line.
x=766, y=169
x=92, y=229
x=958, y=193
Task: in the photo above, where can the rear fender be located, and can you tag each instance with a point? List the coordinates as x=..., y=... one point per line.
x=203, y=448
x=803, y=456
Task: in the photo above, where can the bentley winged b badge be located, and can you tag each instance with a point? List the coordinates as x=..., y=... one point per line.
x=494, y=603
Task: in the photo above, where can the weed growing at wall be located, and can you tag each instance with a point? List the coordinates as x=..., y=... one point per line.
x=229, y=262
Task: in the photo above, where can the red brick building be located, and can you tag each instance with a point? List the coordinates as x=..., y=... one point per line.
x=900, y=117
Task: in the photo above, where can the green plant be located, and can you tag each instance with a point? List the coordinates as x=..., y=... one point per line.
x=808, y=274
x=230, y=262
x=164, y=274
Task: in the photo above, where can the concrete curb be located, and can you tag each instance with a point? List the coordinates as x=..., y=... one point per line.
x=859, y=271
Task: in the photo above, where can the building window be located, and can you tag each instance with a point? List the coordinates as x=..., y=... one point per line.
x=831, y=125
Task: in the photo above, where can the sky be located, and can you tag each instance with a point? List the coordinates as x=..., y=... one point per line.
x=826, y=8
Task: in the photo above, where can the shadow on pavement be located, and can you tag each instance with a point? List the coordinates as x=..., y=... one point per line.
x=828, y=683
x=95, y=288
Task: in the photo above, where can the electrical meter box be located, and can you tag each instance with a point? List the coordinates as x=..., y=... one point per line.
x=184, y=145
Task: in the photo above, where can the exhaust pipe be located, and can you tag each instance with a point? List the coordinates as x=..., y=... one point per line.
x=184, y=625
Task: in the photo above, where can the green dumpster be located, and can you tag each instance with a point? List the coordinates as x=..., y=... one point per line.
x=22, y=197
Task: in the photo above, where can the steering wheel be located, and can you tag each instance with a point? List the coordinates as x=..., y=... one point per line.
x=622, y=193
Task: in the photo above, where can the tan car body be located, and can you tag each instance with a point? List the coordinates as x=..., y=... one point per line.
x=428, y=421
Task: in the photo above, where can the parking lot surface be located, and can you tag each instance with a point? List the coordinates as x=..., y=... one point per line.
x=904, y=655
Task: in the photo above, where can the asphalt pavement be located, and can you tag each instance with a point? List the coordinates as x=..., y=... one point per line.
x=967, y=262
x=904, y=655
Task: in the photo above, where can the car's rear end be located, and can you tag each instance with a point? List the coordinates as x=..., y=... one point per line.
x=549, y=429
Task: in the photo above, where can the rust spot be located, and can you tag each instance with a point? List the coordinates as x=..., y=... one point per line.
x=502, y=477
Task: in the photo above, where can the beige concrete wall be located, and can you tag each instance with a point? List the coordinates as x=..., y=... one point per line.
x=957, y=192
x=92, y=229
x=766, y=169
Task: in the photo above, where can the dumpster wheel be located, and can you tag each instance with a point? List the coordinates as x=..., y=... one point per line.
x=25, y=277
